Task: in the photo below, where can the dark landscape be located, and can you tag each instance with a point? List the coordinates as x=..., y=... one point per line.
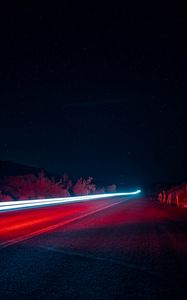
x=93, y=165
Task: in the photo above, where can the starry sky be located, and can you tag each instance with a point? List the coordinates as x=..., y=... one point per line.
x=95, y=90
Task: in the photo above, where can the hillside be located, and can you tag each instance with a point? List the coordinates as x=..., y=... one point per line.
x=8, y=168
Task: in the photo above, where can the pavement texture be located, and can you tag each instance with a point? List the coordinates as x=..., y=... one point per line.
x=112, y=249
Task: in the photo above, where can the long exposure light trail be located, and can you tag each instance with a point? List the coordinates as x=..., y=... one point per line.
x=14, y=205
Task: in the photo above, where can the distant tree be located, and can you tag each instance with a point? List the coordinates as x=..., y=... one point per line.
x=84, y=187
x=100, y=190
x=111, y=188
x=66, y=182
x=4, y=197
x=34, y=187
x=37, y=187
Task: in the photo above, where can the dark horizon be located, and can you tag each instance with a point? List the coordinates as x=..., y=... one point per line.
x=93, y=93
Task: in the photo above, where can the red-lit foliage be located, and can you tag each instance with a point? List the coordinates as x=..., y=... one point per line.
x=84, y=187
x=34, y=187
x=174, y=196
x=4, y=197
x=66, y=182
x=111, y=188
x=100, y=190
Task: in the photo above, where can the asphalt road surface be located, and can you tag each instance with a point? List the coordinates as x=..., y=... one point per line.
x=115, y=248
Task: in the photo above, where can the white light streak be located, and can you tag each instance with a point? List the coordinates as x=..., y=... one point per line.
x=23, y=204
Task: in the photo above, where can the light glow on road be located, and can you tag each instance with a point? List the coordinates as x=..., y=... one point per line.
x=23, y=204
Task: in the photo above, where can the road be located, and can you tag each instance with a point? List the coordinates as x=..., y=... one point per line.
x=116, y=248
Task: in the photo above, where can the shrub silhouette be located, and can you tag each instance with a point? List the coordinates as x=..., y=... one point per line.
x=84, y=187
x=37, y=187
x=34, y=187
x=5, y=197
x=111, y=188
x=100, y=190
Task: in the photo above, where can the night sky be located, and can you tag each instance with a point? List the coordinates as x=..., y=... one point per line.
x=95, y=90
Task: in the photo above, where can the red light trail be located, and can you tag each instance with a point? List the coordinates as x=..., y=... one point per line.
x=14, y=205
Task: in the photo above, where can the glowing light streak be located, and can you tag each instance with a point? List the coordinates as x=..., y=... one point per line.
x=51, y=227
x=11, y=205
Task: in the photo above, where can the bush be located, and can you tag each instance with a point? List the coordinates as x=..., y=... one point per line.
x=100, y=190
x=34, y=187
x=111, y=188
x=84, y=187
x=4, y=197
x=37, y=187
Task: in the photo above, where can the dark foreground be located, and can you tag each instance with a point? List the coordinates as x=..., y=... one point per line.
x=136, y=249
